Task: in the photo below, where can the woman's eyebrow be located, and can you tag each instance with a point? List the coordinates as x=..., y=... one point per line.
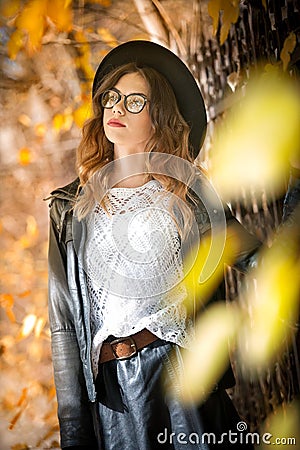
x=130, y=93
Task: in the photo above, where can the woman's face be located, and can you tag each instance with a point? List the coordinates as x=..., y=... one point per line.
x=127, y=131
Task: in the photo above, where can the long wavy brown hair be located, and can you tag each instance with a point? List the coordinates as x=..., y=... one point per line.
x=170, y=136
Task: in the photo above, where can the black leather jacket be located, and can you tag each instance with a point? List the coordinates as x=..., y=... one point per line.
x=69, y=312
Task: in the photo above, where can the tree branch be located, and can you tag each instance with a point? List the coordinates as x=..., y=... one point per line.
x=152, y=21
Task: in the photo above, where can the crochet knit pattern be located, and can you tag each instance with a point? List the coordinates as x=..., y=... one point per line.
x=134, y=267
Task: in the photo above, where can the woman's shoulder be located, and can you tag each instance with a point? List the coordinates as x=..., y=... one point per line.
x=67, y=192
x=62, y=199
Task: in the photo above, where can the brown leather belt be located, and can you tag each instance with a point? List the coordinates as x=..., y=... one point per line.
x=126, y=347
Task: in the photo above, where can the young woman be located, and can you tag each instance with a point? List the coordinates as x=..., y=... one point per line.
x=117, y=306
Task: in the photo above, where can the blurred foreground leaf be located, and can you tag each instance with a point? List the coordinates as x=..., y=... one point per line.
x=256, y=139
x=274, y=302
x=7, y=302
x=281, y=429
x=208, y=359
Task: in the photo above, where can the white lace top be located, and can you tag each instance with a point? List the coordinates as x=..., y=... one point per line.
x=134, y=266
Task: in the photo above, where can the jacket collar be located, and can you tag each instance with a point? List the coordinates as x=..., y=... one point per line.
x=68, y=192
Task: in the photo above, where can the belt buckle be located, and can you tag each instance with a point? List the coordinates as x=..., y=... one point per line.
x=132, y=346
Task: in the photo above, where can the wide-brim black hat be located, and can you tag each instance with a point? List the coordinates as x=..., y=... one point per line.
x=187, y=92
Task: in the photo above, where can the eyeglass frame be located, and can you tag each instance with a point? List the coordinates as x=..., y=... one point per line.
x=120, y=95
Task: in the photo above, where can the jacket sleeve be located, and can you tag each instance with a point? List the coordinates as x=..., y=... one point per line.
x=74, y=413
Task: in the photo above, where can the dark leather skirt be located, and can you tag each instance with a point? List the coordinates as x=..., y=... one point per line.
x=137, y=413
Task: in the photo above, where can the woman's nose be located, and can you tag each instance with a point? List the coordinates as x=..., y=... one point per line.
x=119, y=107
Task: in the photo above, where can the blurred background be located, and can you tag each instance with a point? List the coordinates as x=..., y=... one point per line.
x=49, y=52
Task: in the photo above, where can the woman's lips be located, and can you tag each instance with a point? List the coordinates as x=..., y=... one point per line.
x=115, y=123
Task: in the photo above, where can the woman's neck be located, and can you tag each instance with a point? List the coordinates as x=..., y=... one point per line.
x=121, y=151
x=129, y=167
x=134, y=181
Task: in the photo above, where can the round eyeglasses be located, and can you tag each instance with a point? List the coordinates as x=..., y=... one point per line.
x=134, y=103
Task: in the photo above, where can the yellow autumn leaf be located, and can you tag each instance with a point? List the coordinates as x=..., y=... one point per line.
x=271, y=69
x=9, y=8
x=85, y=65
x=31, y=228
x=6, y=300
x=77, y=62
x=82, y=113
x=214, y=7
x=29, y=238
x=255, y=140
x=230, y=16
x=274, y=302
x=288, y=48
x=80, y=36
x=24, y=156
x=83, y=61
x=68, y=120
x=7, y=303
x=31, y=17
x=205, y=269
x=24, y=294
x=40, y=129
x=52, y=392
x=224, y=31
x=24, y=120
x=28, y=325
x=208, y=358
x=15, y=43
x=282, y=424
x=31, y=20
x=24, y=241
x=58, y=121
x=10, y=314
x=40, y=323
x=60, y=13
x=107, y=37
x=62, y=122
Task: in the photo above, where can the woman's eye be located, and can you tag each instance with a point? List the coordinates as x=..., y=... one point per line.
x=112, y=98
x=135, y=102
x=109, y=99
